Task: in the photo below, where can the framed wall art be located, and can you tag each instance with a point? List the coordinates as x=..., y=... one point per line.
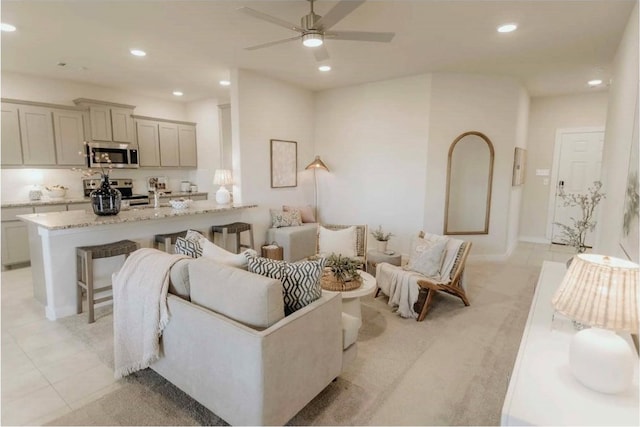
x=284, y=163
x=519, y=159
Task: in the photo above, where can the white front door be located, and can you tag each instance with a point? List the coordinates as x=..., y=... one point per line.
x=579, y=166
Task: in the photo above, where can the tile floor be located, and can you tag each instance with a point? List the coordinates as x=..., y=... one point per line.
x=46, y=372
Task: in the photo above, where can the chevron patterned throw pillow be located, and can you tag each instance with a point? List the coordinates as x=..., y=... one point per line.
x=300, y=280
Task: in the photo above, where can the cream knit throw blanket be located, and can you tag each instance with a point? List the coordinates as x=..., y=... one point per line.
x=140, y=310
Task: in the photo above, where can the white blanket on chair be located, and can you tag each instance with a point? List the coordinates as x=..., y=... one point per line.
x=140, y=310
x=401, y=284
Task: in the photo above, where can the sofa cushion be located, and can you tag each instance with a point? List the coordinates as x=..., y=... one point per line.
x=300, y=280
x=248, y=298
x=306, y=212
x=285, y=219
x=427, y=255
x=179, y=279
x=343, y=242
x=190, y=244
x=212, y=251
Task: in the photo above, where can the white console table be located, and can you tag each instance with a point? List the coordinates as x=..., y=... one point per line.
x=542, y=390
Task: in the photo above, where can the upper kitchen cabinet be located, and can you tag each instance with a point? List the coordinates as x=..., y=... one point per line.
x=68, y=127
x=166, y=143
x=41, y=134
x=36, y=128
x=169, y=149
x=109, y=121
x=187, y=144
x=11, y=147
x=148, y=143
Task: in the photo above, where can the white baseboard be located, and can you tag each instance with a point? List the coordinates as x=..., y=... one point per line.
x=534, y=239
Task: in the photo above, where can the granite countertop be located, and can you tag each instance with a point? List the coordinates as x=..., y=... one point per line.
x=44, y=202
x=73, y=200
x=82, y=218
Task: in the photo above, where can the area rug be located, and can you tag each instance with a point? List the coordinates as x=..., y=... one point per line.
x=451, y=369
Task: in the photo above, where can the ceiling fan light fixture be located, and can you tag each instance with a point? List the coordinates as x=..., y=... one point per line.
x=312, y=39
x=594, y=82
x=324, y=68
x=225, y=83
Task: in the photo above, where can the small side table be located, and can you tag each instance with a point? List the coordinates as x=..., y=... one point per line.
x=374, y=257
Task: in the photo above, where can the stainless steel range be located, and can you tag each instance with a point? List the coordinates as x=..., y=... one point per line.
x=125, y=185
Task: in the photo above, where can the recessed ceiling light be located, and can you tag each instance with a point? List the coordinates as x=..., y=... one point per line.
x=594, y=82
x=225, y=82
x=324, y=68
x=177, y=93
x=138, y=52
x=507, y=28
x=7, y=27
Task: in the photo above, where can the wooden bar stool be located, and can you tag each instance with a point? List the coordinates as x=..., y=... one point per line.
x=84, y=270
x=234, y=228
x=167, y=240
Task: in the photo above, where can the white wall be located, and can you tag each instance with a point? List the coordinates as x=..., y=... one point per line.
x=547, y=115
x=496, y=107
x=387, y=144
x=262, y=109
x=205, y=114
x=623, y=101
x=17, y=182
x=515, y=203
x=373, y=138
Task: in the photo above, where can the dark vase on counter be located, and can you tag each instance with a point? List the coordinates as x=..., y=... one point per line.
x=105, y=200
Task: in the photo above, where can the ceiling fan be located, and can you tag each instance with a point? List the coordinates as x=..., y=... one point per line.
x=314, y=29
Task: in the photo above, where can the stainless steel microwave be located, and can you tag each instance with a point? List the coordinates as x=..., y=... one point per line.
x=112, y=154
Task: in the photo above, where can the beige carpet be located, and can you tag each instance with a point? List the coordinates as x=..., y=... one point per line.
x=451, y=369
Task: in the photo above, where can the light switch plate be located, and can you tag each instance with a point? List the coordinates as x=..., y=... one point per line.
x=542, y=172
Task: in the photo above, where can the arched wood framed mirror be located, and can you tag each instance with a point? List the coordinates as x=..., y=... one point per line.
x=469, y=178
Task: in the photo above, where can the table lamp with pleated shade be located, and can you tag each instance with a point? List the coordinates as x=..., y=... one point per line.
x=223, y=177
x=601, y=292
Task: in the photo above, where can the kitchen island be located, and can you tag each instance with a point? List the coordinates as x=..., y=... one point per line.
x=54, y=237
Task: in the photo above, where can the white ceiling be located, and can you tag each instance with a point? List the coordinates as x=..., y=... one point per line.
x=191, y=45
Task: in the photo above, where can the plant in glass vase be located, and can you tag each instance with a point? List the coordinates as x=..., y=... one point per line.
x=105, y=200
x=575, y=233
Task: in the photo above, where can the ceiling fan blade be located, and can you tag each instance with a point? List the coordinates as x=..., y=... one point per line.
x=257, y=14
x=260, y=46
x=366, y=36
x=337, y=13
x=321, y=53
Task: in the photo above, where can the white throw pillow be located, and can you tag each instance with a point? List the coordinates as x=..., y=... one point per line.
x=223, y=256
x=427, y=255
x=343, y=242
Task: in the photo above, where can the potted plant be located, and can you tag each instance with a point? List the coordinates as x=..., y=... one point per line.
x=382, y=239
x=575, y=233
x=341, y=274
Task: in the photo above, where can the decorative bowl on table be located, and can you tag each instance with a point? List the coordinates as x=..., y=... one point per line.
x=180, y=203
x=56, y=191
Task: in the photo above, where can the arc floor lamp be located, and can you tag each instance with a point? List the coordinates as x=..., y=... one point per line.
x=315, y=165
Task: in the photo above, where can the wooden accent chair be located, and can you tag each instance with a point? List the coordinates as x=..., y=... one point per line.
x=429, y=288
x=361, y=242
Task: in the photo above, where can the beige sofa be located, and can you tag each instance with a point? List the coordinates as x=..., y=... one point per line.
x=229, y=346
